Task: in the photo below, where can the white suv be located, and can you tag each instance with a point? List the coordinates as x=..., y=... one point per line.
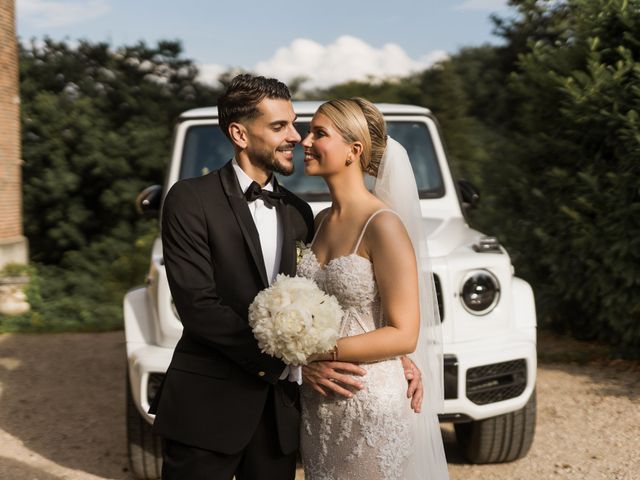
x=488, y=314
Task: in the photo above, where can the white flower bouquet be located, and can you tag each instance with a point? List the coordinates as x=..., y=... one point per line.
x=293, y=319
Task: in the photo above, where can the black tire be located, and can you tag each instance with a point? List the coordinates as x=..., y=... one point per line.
x=499, y=439
x=143, y=446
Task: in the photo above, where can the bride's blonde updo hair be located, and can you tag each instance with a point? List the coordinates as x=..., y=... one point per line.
x=358, y=120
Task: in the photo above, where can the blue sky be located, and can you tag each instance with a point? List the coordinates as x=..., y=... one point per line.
x=327, y=40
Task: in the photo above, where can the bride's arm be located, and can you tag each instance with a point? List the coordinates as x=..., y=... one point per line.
x=395, y=269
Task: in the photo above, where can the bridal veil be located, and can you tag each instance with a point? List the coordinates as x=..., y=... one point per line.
x=396, y=186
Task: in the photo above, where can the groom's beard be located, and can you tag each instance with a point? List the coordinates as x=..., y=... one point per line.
x=270, y=160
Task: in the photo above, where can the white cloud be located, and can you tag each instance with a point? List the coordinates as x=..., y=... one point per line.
x=348, y=58
x=482, y=5
x=52, y=13
x=209, y=73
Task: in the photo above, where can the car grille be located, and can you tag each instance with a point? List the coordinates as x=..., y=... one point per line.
x=496, y=382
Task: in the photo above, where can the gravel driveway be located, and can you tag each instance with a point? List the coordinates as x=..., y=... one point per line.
x=62, y=414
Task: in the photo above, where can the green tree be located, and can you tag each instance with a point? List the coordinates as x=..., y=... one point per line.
x=96, y=129
x=96, y=126
x=570, y=203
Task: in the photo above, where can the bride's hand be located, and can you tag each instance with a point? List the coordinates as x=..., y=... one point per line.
x=332, y=376
x=413, y=375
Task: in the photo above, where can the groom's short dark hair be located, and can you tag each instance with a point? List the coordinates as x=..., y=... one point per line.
x=241, y=99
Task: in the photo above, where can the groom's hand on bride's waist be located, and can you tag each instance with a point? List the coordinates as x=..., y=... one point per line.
x=335, y=377
x=415, y=389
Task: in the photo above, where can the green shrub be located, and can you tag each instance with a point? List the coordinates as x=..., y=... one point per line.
x=566, y=200
x=96, y=130
x=15, y=270
x=85, y=292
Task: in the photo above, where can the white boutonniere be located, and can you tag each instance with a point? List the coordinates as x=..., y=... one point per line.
x=300, y=249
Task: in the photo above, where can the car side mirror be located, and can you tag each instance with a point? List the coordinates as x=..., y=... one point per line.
x=469, y=193
x=148, y=201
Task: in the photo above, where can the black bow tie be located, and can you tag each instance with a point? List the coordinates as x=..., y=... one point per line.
x=269, y=198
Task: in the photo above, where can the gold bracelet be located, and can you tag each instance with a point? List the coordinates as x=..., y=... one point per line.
x=334, y=353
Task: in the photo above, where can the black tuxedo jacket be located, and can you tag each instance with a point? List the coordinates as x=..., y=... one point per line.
x=217, y=383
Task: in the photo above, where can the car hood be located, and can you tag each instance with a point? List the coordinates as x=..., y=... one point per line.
x=445, y=235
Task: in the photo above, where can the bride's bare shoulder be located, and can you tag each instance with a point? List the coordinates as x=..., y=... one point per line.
x=385, y=219
x=320, y=216
x=386, y=230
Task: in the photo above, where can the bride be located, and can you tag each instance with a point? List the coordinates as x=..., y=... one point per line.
x=366, y=252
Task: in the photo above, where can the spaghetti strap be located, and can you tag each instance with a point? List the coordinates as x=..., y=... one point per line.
x=318, y=230
x=367, y=224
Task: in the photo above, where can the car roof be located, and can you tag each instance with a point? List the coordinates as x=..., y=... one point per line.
x=309, y=108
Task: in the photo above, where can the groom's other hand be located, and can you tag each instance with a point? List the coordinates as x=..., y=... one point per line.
x=333, y=377
x=415, y=391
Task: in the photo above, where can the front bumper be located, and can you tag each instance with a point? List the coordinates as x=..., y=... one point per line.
x=482, y=379
x=147, y=364
x=488, y=378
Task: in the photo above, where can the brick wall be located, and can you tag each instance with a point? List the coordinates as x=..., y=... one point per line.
x=10, y=170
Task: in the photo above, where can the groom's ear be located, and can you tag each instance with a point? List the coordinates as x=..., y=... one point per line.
x=238, y=134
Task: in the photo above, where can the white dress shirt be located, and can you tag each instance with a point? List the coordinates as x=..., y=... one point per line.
x=267, y=223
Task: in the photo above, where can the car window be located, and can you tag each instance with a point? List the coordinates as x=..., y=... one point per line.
x=206, y=148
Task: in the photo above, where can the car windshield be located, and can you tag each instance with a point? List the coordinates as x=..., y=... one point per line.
x=206, y=149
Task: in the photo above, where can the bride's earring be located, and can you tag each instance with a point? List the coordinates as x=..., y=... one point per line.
x=348, y=162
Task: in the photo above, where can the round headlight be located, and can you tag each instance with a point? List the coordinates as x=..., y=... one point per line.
x=480, y=292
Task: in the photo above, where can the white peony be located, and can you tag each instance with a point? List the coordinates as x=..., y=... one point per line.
x=293, y=319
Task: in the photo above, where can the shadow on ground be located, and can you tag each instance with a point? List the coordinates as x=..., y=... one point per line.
x=593, y=360
x=12, y=469
x=62, y=396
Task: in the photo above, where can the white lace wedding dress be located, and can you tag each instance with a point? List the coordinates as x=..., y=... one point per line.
x=367, y=436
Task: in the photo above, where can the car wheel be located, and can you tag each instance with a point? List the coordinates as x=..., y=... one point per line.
x=144, y=447
x=499, y=439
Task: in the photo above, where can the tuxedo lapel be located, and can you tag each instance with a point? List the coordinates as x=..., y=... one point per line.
x=243, y=216
x=288, y=253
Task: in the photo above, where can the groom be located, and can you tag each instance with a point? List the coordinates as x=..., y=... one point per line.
x=222, y=409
